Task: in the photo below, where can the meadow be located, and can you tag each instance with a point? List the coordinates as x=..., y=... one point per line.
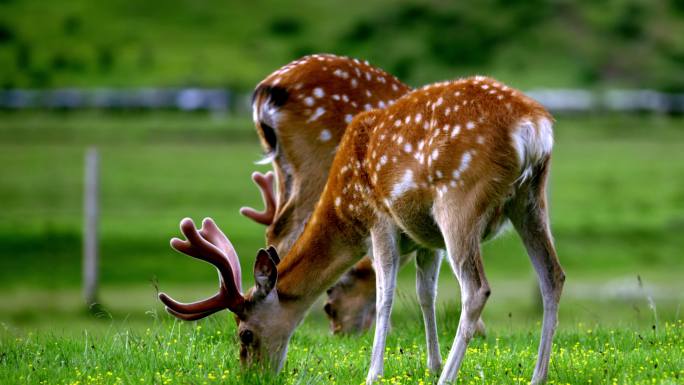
x=617, y=206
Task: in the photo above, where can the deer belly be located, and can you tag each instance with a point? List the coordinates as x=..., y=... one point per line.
x=418, y=224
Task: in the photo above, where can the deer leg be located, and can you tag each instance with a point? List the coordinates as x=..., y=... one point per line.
x=463, y=249
x=427, y=271
x=531, y=221
x=386, y=264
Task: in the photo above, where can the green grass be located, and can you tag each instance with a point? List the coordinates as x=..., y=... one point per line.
x=206, y=352
x=617, y=203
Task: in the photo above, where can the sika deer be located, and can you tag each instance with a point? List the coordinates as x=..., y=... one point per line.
x=301, y=148
x=294, y=89
x=446, y=165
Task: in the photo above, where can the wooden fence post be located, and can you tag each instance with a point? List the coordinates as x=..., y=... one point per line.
x=90, y=226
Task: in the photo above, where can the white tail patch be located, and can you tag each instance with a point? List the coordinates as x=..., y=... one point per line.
x=532, y=143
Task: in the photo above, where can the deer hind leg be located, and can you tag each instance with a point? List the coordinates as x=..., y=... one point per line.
x=427, y=270
x=529, y=215
x=463, y=250
x=386, y=263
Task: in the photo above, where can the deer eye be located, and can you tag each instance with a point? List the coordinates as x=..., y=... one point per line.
x=246, y=337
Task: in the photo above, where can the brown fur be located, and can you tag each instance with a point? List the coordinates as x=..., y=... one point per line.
x=361, y=189
x=304, y=159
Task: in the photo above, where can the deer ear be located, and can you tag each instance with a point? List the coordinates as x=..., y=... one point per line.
x=274, y=254
x=265, y=274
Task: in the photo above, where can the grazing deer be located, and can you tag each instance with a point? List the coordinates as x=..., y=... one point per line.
x=301, y=148
x=444, y=167
x=290, y=94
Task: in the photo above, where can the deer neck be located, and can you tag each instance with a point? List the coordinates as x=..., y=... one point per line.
x=327, y=247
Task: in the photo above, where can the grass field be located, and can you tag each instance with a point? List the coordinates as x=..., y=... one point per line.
x=617, y=203
x=186, y=353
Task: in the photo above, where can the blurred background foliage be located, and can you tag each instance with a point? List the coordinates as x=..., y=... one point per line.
x=559, y=43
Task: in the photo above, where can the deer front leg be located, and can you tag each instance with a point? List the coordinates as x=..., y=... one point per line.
x=386, y=264
x=427, y=271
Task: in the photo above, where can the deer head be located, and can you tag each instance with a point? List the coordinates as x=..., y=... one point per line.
x=262, y=342
x=350, y=306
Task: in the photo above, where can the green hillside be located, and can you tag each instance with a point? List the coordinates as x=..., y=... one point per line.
x=116, y=43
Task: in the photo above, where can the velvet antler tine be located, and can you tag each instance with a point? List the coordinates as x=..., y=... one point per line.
x=191, y=316
x=197, y=246
x=215, y=303
x=211, y=232
x=265, y=184
x=211, y=246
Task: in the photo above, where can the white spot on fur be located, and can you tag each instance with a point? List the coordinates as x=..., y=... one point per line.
x=338, y=201
x=435, y=154
x=342, y=74
x=408, y=148
x=456, y=130
x=405, y=184
x=317, y=114
x=418, y=117
x=348, y=118
x=470, y=125
x=325, y=135
x=309, y=101
x=318, y=92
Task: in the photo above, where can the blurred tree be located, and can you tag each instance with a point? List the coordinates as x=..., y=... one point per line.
x=6, y=33
x=71, y=25
x=285, y=26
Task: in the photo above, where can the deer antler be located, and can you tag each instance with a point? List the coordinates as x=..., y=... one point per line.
x=211, y=245
x=265, y=184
